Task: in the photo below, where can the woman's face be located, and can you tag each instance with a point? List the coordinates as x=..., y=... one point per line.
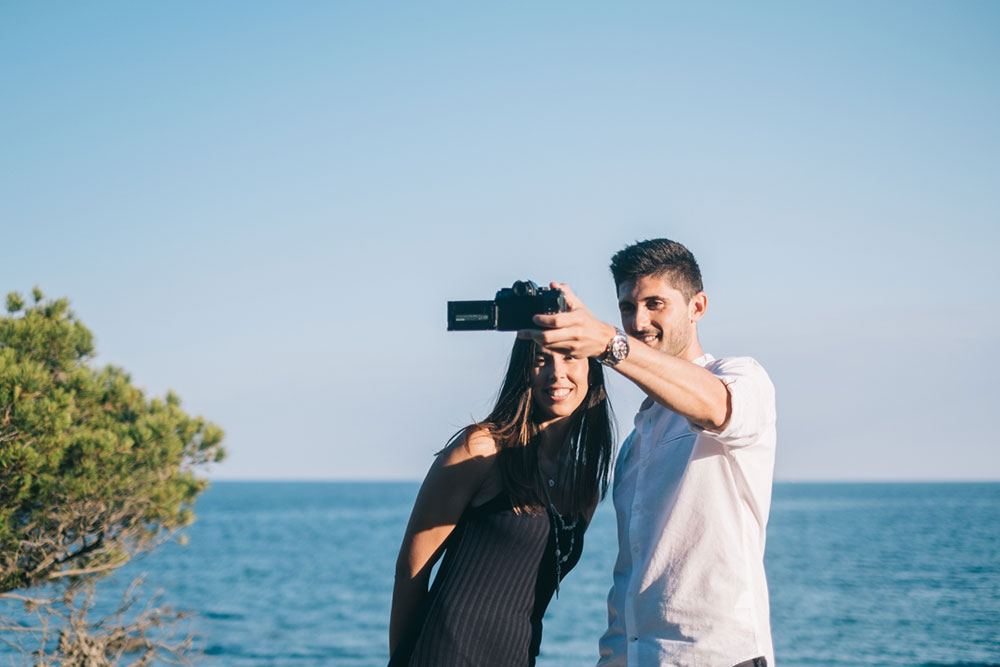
x=558, y=382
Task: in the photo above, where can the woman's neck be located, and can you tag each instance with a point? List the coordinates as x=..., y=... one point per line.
x=551, y=435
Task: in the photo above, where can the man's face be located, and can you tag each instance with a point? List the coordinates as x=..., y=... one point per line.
x=658, y=314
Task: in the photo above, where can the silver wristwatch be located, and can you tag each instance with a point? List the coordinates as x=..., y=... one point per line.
x=617, y=349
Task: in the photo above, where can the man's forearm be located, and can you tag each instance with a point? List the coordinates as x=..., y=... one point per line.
x=677, y=384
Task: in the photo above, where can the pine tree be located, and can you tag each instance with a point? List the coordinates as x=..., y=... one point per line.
x=92, y=474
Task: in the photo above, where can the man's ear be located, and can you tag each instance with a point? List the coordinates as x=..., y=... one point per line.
x=697, y=306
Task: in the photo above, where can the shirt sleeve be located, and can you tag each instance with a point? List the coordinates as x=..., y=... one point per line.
x=752, y=396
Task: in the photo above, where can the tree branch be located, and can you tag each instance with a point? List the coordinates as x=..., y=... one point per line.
x=89, y=570
x=26, y=599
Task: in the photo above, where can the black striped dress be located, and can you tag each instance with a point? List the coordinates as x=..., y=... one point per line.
x=486, y=605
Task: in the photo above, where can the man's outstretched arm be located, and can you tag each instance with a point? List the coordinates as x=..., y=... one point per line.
x=677, y=384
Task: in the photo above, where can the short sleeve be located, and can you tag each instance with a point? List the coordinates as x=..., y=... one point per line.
x=752, y=395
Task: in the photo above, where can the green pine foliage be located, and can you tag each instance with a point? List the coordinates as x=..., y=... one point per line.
x=91, y=471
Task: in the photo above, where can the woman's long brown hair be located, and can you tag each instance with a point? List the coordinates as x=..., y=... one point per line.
x=589, y=442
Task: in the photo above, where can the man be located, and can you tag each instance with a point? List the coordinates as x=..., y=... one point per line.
x=692, y=485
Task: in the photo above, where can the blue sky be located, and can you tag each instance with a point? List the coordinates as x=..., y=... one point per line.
x=265, y=207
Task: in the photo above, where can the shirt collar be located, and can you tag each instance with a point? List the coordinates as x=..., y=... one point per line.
x=703, y=360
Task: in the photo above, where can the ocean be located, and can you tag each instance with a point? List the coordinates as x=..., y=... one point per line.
x=860, y=574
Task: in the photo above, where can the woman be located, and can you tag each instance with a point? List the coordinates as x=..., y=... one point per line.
x=507, y=502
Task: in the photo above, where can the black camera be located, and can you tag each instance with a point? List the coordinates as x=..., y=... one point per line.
x=512, y=309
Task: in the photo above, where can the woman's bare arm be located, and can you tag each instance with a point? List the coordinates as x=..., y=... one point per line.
x=450, y=485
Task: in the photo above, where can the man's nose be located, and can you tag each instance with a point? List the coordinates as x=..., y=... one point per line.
x=558, y=367
x=640, y=320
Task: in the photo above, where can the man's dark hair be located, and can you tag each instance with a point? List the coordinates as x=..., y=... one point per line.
x=657, y=257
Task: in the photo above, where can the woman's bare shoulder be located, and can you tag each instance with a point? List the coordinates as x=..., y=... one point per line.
x=479, y=441
x=471, y=443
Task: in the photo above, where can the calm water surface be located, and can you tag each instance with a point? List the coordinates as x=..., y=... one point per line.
x=860, y=574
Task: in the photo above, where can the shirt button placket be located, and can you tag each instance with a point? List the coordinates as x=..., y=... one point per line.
x=636, y=525
x=635, y=531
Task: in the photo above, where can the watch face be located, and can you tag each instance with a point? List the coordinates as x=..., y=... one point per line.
x=619, y=348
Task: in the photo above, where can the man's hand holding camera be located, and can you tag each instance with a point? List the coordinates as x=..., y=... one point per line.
x=575, y=332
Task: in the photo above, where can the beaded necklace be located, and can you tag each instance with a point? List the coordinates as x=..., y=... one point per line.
x=558, y=525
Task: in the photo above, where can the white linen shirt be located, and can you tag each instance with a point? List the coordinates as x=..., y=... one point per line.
x=692, y=505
